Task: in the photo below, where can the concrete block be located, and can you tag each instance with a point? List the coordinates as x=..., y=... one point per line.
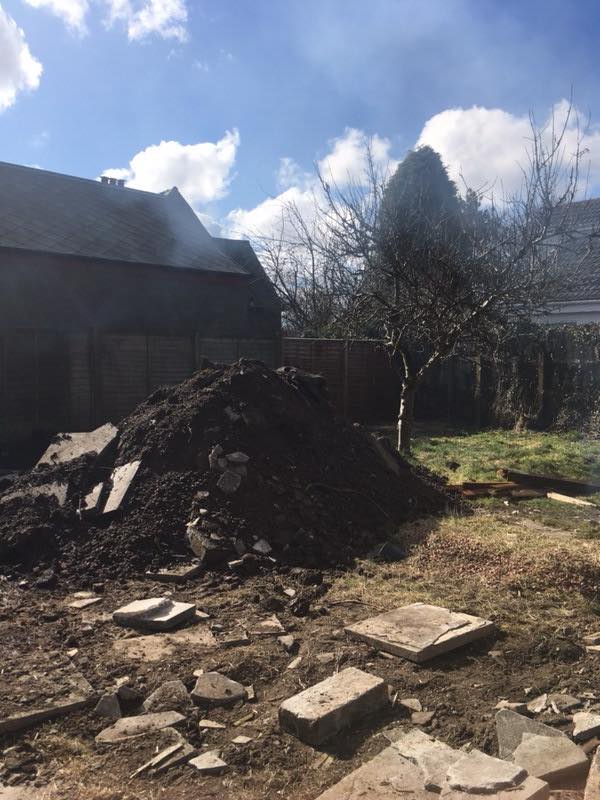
x=69, y=446
x=419, y=631
x=121, y=479
x=324, y=709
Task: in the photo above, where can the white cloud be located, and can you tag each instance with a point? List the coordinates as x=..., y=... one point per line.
x=19, y=70
x=202, y=172
x=486, y=147
x=72, y=12
x=166, y=18
x=347, y=159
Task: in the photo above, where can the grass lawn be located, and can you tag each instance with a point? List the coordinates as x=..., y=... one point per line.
x=476, y=456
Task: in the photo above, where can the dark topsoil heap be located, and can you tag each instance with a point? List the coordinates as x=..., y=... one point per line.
x=316, y=488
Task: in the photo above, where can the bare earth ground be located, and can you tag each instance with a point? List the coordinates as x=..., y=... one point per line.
x=533, y=568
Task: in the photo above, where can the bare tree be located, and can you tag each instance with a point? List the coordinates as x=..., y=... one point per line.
x=436, y=275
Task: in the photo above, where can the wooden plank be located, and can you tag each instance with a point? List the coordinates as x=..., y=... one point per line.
x=575, y=501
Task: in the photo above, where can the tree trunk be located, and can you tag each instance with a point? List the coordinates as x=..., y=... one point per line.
x=405, y=417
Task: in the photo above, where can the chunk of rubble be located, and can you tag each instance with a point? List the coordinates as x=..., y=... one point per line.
x=69, y=446
x=121, y=479
x=419, y=631
x=209, y=763
x=108, y=706
x=229, y=482
x=592, y=786
x=239, y=639
x=563, y=703
x=170, y=696
x=538, y=704
x=211, y=724
x=238, y=457
x=391, y=775
x=478, y=773
x=288, y=642
x=241, y=740
x=262, y=546
x=518, y=708
x=433, y=757
x=214, y=689
x=268, y=627
x=179, y=573
x=411, y=704
x=130, y=727
x=556, y=760
x=155, y=613
x=322, y=710
x=422, y=717
x=93, y=500
x=587, y=725
x=510, y=728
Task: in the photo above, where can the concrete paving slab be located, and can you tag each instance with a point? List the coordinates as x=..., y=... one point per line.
x=592, y=786
x=154, y=613
x=324, y=709
x=530, y=789
x=419, y=631
x=157, y=647
x=556, y=760
x=121, y=479
x=478, y=773
x=69, y=446
x=131, y=727
x=510, y=728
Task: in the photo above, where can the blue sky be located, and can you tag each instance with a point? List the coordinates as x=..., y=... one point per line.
x=237, y=85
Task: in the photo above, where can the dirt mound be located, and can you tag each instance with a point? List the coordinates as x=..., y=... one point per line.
x=255, y=458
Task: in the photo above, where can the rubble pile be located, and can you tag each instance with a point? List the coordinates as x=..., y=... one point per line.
x=238, y=467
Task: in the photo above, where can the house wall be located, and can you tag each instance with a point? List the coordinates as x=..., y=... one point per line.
x=83, y=342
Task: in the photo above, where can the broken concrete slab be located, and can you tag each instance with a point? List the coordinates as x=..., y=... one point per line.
x=93, y=500
x=518, y=708
x=422, y=717
x=214, y=689
x=268, y=627
x=84, y=602
x=289, y=643
x=154, y=613
x=241, y=740
x=433, y=757
x=55, y=489
x=179, y=573
x=478, y=773
x=170, y=696
x=592, y=786
x=411, y=704
x=322, y=710
x=160, y=646
x=419, y=631
x=130, y=727
x=510, y=728
x=538, y=704
x=211, y=724
x=209, y=763
x=68, y=446
x=238, y=457
x=239, y=639
x=121, y=479
x=587, y=725
x=556, y=760
x=562, y=703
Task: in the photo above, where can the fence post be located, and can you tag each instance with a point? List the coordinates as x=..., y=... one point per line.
x=345, y=387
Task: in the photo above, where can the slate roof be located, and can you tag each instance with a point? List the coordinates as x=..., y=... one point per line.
x=579, y=255
x=242, y=252
x=55, y=213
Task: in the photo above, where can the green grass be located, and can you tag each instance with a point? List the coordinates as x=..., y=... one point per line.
x=476, y=456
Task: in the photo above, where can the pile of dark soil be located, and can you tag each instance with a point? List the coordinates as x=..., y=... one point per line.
x=314, y=487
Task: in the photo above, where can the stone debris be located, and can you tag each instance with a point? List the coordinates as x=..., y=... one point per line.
x=325, y=658
x=130, y=727
x=411, y=703
x=155, y=613
x=322, y=710
x=510, y=728
x=55, y=489
x=268, y=627
x=563, y=703
x=556, y=760
x=158, y=759
x=69, y=446
x=108, y=706
x=214, y=456
x=237, y=458
x=209, y=763
x=294, y=663
x=422, y=717
x=592, y=786
x=236, y=640
x=229, y=482
x=538, y=704
x=288, y=642
x=93, y=500
x=518, y=708
x=419, y=631
x=262, y=546
x=587, y=725
x=180, y=573
x=84, y=602
x=478, y=773
x=121, y=479
x=170, y=696
x=433, y=757
x=214, y=689
x=241, y=740
x=211, y=724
